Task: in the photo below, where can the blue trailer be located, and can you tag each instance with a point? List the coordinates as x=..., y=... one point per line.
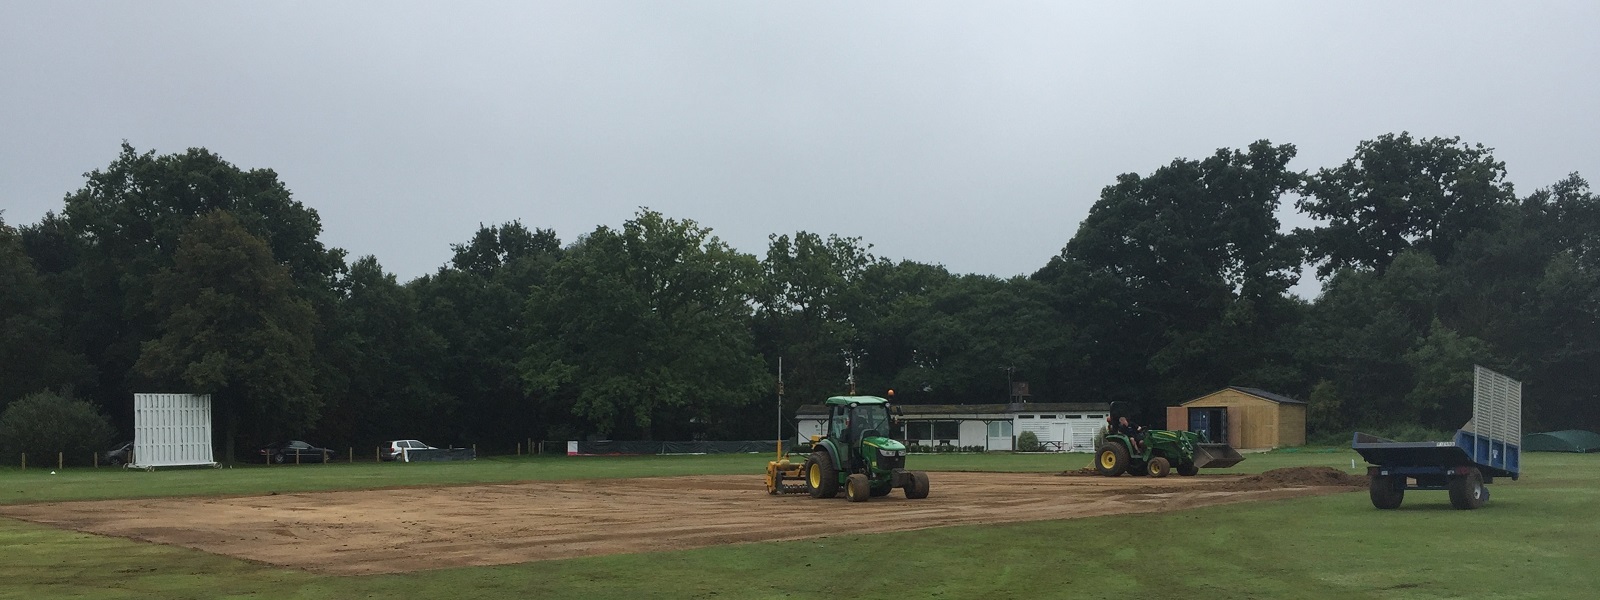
x=1488, y=447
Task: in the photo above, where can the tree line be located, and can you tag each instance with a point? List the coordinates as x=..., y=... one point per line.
x=182, y=272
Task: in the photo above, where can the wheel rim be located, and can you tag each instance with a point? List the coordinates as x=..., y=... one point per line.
x=1108, y=459
x=814, y=476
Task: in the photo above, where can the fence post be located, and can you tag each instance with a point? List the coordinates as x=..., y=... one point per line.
x=474, y=450
x=297, y=457
x=96, y=458
x=24, y=461
x=377, y=454
x=61, y=460
x=352, y=455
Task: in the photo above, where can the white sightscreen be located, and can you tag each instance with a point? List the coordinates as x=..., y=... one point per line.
x=171, y=430
x=1496, y=406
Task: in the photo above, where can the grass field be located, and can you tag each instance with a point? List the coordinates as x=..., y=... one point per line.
x=1537, y=538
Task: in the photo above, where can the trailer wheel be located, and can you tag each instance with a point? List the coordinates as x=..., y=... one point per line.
x=1111, y=460
x=1159, y=467
x=857, y=488
x=1467, y=492
x=822, y=478
x=1387, y=491
x=1188, y=470
x=918, y=488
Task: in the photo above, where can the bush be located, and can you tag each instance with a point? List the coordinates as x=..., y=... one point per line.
x=1028, y=442
x=43, y=424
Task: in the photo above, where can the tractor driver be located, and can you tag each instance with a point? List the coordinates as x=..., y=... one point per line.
x=1130, y=429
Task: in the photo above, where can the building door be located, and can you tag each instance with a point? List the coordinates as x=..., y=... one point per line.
x=1211, y=423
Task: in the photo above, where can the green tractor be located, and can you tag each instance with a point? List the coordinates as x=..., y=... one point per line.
x=1160, y=453
x=857, y=454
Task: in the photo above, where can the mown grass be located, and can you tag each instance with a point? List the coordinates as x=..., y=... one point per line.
x=1537, y=538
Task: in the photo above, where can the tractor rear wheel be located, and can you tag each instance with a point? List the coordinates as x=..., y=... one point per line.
x=1188, y=470
x=917, y=489
x=857, y=488
x=1387, y=491
x=1159, y=467
x=822, y=478
x=1467, y=493
x=1111, y=460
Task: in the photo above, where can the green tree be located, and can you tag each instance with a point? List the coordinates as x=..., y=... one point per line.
x=1398, y=194
x=476, y=307
x=391, y=360
x=1176, y=278
x=236, y=329
x=101, y=254
x=809, y=298
x=44, y=423
x=34, y=355
x=646, y=331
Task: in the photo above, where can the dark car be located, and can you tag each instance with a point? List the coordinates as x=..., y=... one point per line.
x=118, y=456
x=294, y=451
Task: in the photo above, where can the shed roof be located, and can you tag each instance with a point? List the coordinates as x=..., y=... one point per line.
x=985, y=409
x=1259, y=393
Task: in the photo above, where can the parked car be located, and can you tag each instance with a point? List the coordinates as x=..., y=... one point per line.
x=396, y=449
x=118, y=456
x=294, y=451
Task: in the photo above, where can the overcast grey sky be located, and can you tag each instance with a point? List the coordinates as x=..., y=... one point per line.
x=973, y=135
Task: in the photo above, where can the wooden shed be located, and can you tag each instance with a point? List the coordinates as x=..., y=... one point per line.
x=1243, y=418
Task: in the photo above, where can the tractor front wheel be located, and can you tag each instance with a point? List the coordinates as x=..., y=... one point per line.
x=822, y=478
x=1159, y=467
x=1111, y=460
x=857, y=488
x=1188, y=470
x=917, y=489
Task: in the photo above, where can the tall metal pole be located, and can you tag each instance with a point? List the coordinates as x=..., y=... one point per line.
x=780, y=408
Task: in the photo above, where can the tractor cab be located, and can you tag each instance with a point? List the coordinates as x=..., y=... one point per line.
x=858, y=454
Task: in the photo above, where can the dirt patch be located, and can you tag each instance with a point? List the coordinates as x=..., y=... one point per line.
x=1296, y=477
x=390, y=531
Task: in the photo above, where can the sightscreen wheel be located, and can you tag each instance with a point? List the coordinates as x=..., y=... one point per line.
x=1111, y=460
x=822, y=478
x=1467, y=492
x=917, y=489
x=1188, y=470
x=857, y=488
x=1158, y=467
x=1387, y=491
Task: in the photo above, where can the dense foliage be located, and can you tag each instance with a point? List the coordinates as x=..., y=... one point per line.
x=47, y=426
x=184, y=272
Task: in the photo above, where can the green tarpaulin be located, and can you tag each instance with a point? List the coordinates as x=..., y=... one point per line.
x=1571, y=440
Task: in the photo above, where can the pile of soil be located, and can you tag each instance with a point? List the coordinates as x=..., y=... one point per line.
x=1080, y=472
x=1295, y=477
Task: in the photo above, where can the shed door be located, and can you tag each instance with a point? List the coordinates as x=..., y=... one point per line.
x=1210, y=422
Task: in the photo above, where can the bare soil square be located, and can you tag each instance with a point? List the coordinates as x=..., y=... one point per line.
x=400, y=530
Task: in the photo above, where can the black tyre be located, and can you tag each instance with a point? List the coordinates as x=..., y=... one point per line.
x=857, y=488
x=1111, y=460
x=879, y=492
x=1188, y=470
x=1467, y=492
x=917, y=489
x=1387, y=491
x=822, y=478
x=1158, y=467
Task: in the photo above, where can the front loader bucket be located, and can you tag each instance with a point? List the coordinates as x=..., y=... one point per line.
x=1216, y=456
